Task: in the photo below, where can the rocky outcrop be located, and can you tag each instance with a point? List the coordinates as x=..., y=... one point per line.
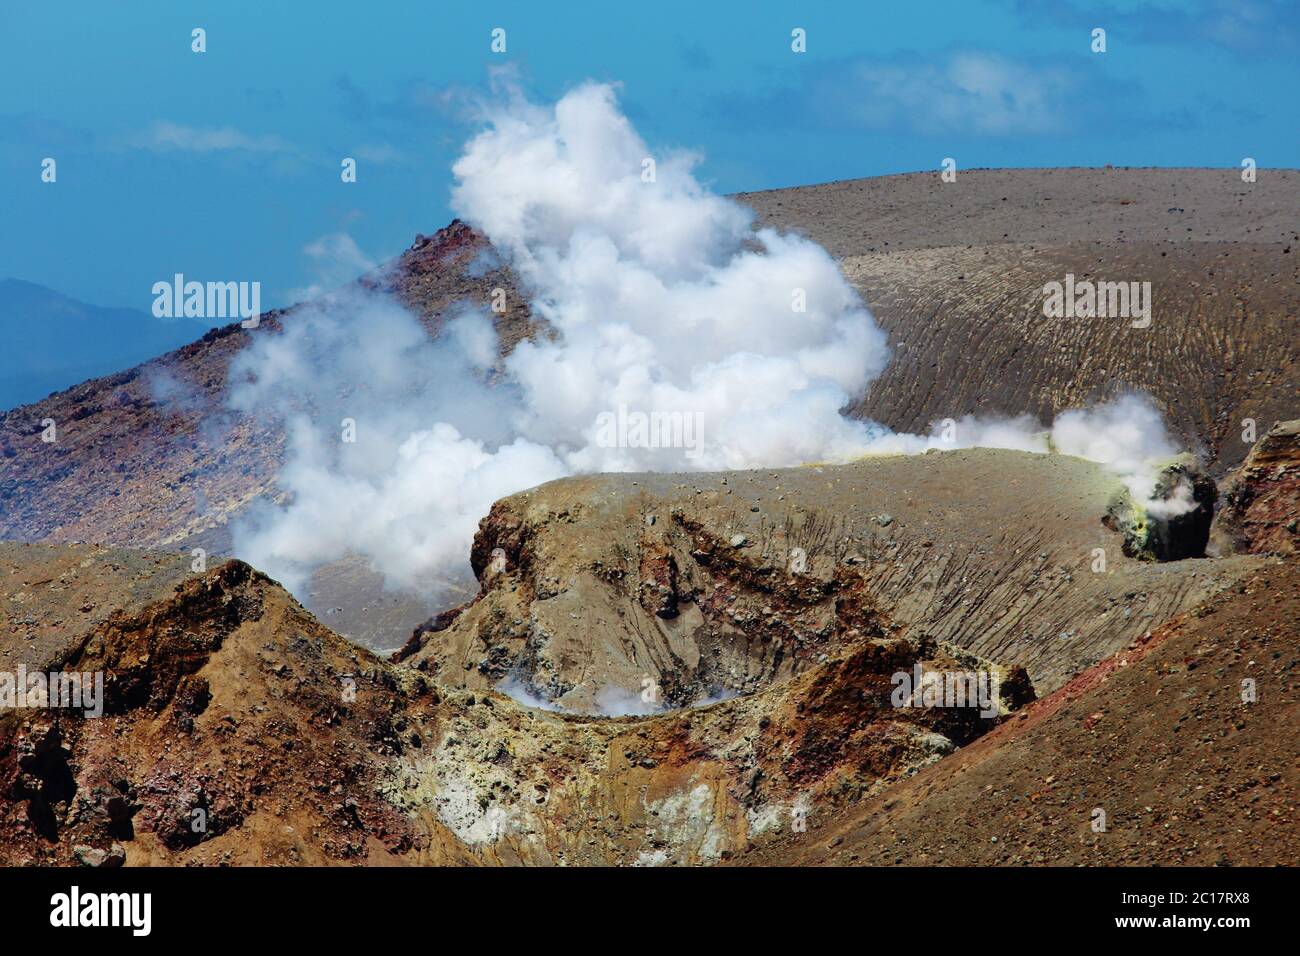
x=1262, y=503
x=1175, y=524
x=237, y=729
x=732, y=583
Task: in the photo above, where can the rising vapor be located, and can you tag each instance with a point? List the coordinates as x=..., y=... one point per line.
x=663, y=298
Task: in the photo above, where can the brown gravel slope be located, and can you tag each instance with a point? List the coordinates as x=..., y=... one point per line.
x=1040, y=206
x=955, y=271
x=1158, y=737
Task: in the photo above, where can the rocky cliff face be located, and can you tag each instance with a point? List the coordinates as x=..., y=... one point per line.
x=225, y=735
x=1262, y=512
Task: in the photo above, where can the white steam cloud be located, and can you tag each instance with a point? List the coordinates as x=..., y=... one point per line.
x=664, y=297
x=664, y=301
x=396, y=446
x=1128, y=436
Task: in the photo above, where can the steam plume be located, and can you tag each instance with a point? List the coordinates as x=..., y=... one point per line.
x=664, y=300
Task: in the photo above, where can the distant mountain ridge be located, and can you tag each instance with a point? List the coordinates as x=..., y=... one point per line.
x=54, y=342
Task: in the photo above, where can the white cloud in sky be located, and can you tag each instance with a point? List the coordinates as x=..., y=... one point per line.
x=167, y=136
x=969, y=92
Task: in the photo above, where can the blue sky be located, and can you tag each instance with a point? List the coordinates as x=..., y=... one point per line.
x=225, y=165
